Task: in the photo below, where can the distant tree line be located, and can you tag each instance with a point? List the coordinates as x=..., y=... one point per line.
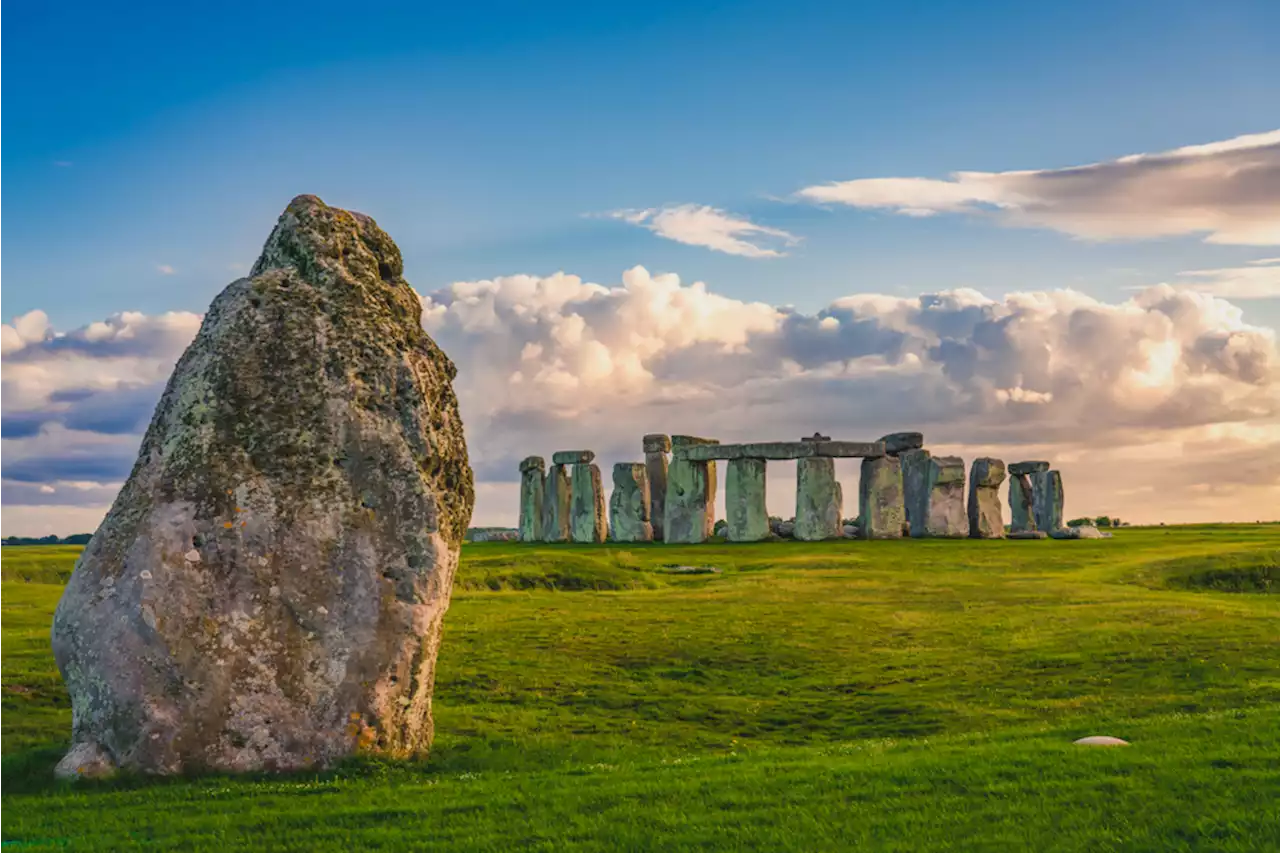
x=1100, y=521
x=74, y=539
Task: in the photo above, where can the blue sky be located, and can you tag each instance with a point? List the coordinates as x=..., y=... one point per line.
x=480, y=134
x=791, y=154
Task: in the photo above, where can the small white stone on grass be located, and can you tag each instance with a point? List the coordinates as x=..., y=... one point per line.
x=1101, y=740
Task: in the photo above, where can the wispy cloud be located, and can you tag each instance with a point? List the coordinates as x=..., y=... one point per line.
x=710, y=227
x=1228, y=191
x=165, y=269
x=63, y=164
x=1259, y=280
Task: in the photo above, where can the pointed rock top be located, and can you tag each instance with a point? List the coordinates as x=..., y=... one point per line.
x=314, y=238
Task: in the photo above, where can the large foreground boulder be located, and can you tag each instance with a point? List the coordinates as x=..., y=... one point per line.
x=267, y=590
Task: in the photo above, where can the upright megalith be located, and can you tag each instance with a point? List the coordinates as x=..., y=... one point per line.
x=946, y=516
x=917, y=488
x=819, y=500
x=1047, y=496
x=587, y=513
x=532, y=486
x=656, y=448
x=1022, y=495
x=268, y=589
x=629, y=508
x=691, y=491
x=747, y=518
x=557, y=502
x=986, y=515
x=880, y=501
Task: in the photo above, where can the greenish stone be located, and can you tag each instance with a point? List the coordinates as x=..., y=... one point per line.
x=629, y=509
x=587, y=520
x=819, y=500
x=986, y=514
x=689, y=513
x=1047, y=498
x=655, y=465
x=1021, y=503
x=880, y=498
x=532, y=488
x=744, y=495
x=556, y=501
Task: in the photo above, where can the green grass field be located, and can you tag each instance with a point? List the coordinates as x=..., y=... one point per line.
x=907, y=695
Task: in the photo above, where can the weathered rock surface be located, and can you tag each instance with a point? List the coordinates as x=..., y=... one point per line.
x=744, y=498
x=1084, y=531
x=946, y=515
x=573, y=457
x=493, y=534
x=267, y=590
x=1021, y=502
x=1028, y=534
x=532, y=486
x=881, y=512
x=557, y=503
x=655, y=464
x=656, y=442
x=1017, y=469
x=1047, y=499
x=986, y=515
x=690, y=501
x=819, y=500
x=629, y=504
x=896, y=443
x=917, y=486
x=587, y=512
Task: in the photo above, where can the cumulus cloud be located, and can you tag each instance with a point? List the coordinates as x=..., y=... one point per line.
x=1141, y=403
x=701, y=225
x=556, y=362
x=1228, y=191
x=76, y=403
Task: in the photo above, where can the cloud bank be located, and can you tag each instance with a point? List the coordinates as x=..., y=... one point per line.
x=1228, y=191
x=1162, y=407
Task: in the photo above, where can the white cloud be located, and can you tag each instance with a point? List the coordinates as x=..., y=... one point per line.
x=165, y=269
x=701, y=225
x=1259, y=280
x=1228, y=191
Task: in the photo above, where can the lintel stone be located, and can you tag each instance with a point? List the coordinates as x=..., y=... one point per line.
x=532, y=463
x=573, y=457
x=1017, y=469
x=781, y=450
x=657, y=443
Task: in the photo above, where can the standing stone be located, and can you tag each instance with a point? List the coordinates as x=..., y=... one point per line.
x=1021, y=495
x=268, y=588
x=1047, y=499
x=917, y=488
x=880, y=498
x=656, y=447
x=1021, y=504
x=946, y=517
x=691, y=491
x=744, y=497
x=587, y=520
x=819, y=500
x=532, y=486
x=986, y=515
x=557, y=500
x=629, y=504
